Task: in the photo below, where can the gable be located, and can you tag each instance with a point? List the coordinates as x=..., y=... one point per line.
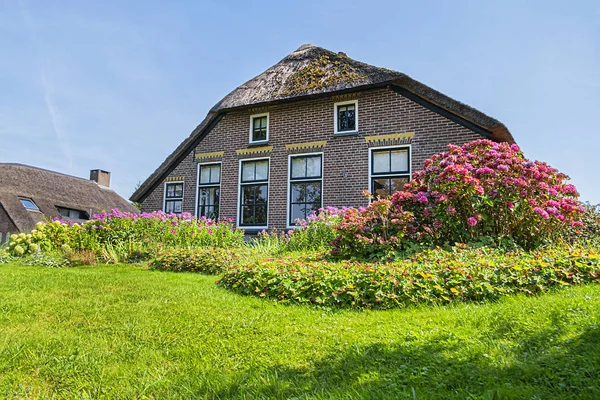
x=313, y=72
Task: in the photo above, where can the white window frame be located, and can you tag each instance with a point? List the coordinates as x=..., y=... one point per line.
x=252, y=128
x=207, y=185
x=289, y=181
x=335, y=117
x=165, y=194
x=239, y=199
x=36, y=209
x=401, y=146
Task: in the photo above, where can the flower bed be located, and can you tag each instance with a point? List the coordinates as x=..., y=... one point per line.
x=124, y=237
x=429, y=277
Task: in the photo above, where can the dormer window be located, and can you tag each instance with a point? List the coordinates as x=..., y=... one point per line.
x=346, y=117
x=259, y=128
x=69, y=213
x=29, y=204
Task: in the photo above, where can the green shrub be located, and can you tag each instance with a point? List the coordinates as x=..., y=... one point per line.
x=435, y=276
x=316, y=232
x=52, y=260
x=22, y=244
x=208, y=260
x=375, y=232
x=591, y=224
x=81, y=257
x=271, y=242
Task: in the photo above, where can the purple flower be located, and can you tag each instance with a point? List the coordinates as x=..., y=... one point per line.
x=472, y=221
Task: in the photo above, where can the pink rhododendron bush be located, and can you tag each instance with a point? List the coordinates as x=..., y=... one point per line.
x=480, y=190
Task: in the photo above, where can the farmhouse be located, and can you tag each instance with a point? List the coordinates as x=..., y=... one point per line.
x=29, y=195
x=316, y=129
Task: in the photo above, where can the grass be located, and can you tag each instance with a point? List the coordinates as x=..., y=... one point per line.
x=125, y=332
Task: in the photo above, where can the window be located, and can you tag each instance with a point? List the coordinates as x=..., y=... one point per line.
x=259, y=128
x=173, y=197
x=254, y=192
x=346, y=117
x=306, y=185
x=209, y=189
x=70, y=213
x=390, y=170
x=29, y=204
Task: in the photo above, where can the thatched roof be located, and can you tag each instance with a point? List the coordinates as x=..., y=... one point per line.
x=49, y=189
x=313, y=71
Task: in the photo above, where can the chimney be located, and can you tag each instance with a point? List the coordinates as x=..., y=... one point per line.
x=101, y=177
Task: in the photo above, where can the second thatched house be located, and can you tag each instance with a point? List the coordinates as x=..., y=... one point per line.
x=314, y=130
x=29, y=195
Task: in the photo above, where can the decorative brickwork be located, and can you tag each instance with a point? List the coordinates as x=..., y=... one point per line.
x=385, y=118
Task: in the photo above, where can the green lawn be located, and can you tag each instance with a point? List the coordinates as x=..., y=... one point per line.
x=125, y=332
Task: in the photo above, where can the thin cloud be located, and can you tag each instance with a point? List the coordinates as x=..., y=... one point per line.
x=56, y=118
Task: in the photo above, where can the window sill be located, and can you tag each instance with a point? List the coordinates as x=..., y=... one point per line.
x=253, y=230
x=346, y=133
x=261, y=143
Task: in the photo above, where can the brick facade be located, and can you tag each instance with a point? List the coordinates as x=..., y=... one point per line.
x=345, y=158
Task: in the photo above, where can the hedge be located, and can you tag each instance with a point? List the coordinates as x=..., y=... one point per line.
x=430, y=277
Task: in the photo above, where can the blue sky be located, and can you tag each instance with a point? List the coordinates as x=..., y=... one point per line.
x=117, y=85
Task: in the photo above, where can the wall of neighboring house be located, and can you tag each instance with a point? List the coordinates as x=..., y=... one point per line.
x=346, y=158
x=7, y=227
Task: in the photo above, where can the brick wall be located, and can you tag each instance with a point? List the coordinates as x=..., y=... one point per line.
x=346, y=169
x=6, y=225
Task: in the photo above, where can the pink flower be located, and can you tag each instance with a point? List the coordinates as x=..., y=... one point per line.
x=472, y=221
x=541, y=212
x=451, y=210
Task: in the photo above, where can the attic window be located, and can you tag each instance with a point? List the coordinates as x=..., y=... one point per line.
x=259, y=128
x=29, y=204
x=70, y=213
x=346, y=117
x=173, y=197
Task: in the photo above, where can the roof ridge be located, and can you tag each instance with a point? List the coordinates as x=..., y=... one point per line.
x=46, y=170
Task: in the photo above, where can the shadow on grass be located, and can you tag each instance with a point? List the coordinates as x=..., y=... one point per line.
x=539, y=367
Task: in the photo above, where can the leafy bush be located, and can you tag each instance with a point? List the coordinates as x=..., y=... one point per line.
x=435, y=276
x=22, y=244
x=313, y=234
x=81, y=257
x=373, y=232
x=52, y=260
x=124, y=237
x=208, y=260
x=317, y=231
x=591, y=223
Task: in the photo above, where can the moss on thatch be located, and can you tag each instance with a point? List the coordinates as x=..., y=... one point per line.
x=325, y=71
